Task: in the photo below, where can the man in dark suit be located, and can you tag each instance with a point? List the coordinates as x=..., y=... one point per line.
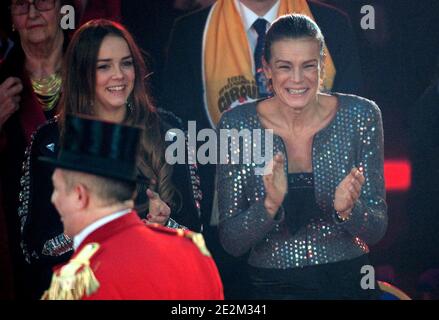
x=183, y=89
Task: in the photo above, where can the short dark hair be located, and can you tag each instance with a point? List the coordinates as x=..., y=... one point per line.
x=293, y=26
x=107, y=189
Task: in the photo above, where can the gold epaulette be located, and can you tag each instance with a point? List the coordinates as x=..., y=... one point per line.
x=197, y=238
x=75, y=279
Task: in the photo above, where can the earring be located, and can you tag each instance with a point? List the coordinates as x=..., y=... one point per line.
x=13, y=27
x=130, y=106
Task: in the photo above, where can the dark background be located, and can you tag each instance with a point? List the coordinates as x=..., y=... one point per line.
x=399, y=61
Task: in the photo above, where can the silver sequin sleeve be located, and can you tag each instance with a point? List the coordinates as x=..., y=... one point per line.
x=369, y=215
x=244, y=221
x=242, y=225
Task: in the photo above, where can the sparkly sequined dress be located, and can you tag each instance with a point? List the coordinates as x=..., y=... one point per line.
x=327, y=281
x=354, y=137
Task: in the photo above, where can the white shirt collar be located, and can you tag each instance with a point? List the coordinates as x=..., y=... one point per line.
x=77, y=240
x=249, y=17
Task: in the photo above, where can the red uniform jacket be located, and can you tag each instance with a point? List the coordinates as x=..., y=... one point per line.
x=135, y=261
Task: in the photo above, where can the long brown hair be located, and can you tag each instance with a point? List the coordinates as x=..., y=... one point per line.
x=79, y=79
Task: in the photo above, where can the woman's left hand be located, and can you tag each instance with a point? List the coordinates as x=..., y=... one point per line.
x=348, y=192
x=159, y=211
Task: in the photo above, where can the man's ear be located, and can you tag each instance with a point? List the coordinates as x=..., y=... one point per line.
x=82, y=195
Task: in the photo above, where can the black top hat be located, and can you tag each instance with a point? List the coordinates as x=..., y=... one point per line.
x=100, y=148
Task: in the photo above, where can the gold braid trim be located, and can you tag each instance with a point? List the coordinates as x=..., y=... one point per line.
x=197, y=239
x=75, y=279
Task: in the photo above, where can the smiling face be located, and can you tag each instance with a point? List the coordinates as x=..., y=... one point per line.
x=115, y=77
x=295, y=68
x=37, y=26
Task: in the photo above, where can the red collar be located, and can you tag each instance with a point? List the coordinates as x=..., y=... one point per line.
x=107, y=230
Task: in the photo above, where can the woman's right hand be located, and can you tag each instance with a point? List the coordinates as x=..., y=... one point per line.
x=10, y=98
x=159, y=212
x=275, y=183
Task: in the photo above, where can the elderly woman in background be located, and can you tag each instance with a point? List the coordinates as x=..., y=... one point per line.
x=308, y=223
x=30, y=88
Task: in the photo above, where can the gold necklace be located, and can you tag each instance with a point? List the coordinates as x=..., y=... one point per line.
x=48, y=90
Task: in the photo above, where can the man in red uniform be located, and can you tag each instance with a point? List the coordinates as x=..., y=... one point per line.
x=116, y=255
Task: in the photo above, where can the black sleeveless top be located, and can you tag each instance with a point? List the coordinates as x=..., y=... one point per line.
x=300, y=204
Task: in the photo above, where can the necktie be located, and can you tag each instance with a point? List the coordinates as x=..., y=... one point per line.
x=260, y=26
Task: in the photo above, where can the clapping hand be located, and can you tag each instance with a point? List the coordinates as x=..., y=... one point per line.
x=275, y=183
x=348, y=192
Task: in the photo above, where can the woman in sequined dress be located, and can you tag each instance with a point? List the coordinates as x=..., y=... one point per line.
x=307, y=224
x=103, y=76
